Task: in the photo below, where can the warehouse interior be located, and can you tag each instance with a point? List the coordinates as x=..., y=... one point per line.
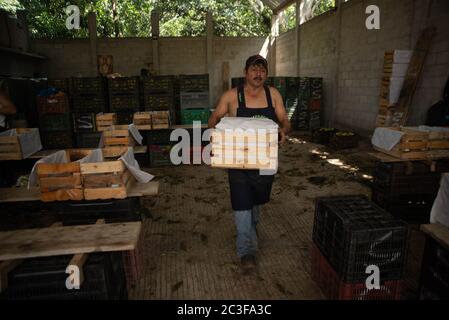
x=352, y=79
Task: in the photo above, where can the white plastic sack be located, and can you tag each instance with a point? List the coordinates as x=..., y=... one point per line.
x=440, y=208
x=30, y=142
x=133, y=166
x=386, y=138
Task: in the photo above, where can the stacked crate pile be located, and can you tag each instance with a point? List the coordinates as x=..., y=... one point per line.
x=352, y=238
x=88, y=99
x=55, y=119
x=124, y=98
x=395, y=69
x=407, y=189
x=194, y=95
x=159, y=94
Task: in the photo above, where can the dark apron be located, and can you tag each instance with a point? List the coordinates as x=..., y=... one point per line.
x=248, y=187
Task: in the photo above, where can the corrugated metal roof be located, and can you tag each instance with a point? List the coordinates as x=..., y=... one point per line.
x=277, y=5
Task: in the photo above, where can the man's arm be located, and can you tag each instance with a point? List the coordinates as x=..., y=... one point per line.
x=281, y=114
x=221, y=109
x=6, y=105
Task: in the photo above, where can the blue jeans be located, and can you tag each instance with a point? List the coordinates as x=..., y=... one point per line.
x=246, y=222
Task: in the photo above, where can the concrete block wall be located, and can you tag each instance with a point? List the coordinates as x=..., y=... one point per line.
x=65, y=58
x=235, y=51
x=318, y=56
x=130, y=54
x=286, y=54
x=436, y=69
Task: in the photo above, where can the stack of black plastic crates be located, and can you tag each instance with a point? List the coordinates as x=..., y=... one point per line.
x=435, y=271
x=407, y=189
x=55, y=119
x=351, y=233
x=88, y=99
x=159, y=94
x=309, y=104
x=159, y=147
x=45, y=278
x=124, y=98
x=194, y=98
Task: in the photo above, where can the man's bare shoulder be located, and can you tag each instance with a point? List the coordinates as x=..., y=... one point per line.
x=274, y=91
x=229, y=95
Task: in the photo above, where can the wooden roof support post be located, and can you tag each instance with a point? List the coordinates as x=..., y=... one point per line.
x=155, y=41
x=336, y=68
x=298, y=37
x=272, y=47
x=92, y=23
x=210, y=52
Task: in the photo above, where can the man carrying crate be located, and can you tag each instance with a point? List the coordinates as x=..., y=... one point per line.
x=250, y=189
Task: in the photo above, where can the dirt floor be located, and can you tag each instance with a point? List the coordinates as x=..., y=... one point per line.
x=190, y=233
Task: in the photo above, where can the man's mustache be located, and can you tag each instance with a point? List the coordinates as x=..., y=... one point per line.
x=257, y=78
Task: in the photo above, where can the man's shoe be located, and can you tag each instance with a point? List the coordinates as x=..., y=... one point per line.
x=248, y=262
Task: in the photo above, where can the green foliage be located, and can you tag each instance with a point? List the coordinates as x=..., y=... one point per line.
x=128, y=18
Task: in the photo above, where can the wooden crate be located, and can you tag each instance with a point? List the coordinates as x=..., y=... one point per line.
x=105, y=120
x=142, y=120
x=412, y=146
x=230, y=154
x=105, y=180
x=62, y=181
x=10, y=148
x=160, y=119
x=116, y=140
x=438, y=145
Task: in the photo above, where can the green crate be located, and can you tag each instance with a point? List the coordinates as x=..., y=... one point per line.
x=190, y=115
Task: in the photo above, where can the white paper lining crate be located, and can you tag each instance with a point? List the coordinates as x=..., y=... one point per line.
x=142, y=120
x=160, y=120
x=244, y=149
x=105, y=120
x=19, y=143
x=62, y=181
x=105, y=180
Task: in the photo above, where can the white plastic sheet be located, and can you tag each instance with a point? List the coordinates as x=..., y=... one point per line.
x=30, y=142
x=440, y=208
x=233, y=123
x=133, y=166
x=386, y=138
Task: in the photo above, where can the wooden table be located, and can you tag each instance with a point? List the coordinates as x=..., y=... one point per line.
x=438, y=232
x=33, y=194
x=32, y=243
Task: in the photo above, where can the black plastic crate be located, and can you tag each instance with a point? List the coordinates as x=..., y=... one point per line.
x=197, y=82
x=45, y=278
x=434, y=272
x=159, y=85
x=88, y=86
x=158, y=137
x=123, y=86
x=57, y=139
x=395, y=179
x=88, y=139
x=84, y=122
x=88, y=212
x=194, y=99
x=159, y=102
x=125, y=117
x=89, y=103
x=60, y=84
x=412, y=208
x=353, y=233
x=160, y=155
x=119, y=103
x=50, y=122
x=235, y=82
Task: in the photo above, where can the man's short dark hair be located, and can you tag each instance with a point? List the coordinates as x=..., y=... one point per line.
x=256, y=60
